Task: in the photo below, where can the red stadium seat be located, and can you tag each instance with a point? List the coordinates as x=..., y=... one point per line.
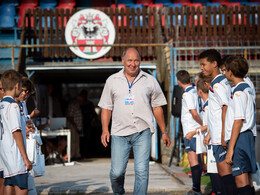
x=120, y=22
x=144, y=2
x=181, y=1
x=25, y=5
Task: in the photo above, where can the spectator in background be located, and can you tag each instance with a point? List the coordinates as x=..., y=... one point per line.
x=74, y=123
x=89, y=121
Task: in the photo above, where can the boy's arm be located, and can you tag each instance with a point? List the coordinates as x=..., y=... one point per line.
x=206, y=139
x=196, y=116
x=190, y=135
x=18, y=137
x=224, y=111
x=234, y=135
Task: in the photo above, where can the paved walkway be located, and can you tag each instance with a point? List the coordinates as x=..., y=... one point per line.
x=93, y=177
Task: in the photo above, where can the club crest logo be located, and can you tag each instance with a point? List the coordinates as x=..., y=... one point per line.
x=90, y=26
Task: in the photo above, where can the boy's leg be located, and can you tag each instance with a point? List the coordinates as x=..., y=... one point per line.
x=242, y=183
x=217, y=184
x=20, y=191
x=196, y=170
x=8, y=190
x=224, y=170
x=1, y=185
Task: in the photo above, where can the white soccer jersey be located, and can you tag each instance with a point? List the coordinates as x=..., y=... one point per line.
x=189, y=102
x=251, y=85
x=205, y=113
x=241, y=106
x=9, y=152
x=219, y=93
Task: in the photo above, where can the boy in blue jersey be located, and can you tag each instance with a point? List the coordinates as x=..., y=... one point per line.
x=219, y=94
x=240, y=121
x=190, y=120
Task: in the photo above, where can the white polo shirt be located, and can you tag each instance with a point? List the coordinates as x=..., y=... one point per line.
x=9, y=152
x=189, y=102
x=219, y=93
x=251, y=85
x=241, y=106
x=135, y=117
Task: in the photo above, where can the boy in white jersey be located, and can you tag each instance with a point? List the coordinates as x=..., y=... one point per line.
x=240, y=121
x=203, y=90
x=12, y=150
x=210, y=61
x=190, y=120
x=247, y=80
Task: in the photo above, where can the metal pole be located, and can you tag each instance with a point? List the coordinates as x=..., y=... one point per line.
x=13, y=58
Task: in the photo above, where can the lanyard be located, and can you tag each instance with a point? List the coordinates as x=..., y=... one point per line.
x=131, y=84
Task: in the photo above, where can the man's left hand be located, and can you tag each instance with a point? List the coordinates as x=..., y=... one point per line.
x=166, y=140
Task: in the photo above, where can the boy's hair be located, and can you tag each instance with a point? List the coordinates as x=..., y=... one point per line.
x=206, y=79
x=211, y=55
x=27, y=83
x=201, y=85
x=9, y=79
x=238, y=66
x=183, y=76
x=224, y=59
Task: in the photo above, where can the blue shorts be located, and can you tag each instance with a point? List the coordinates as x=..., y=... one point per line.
x=190, y=145
x=18, y=180
x=244, y=154
x=219, y=153
x=1, y=174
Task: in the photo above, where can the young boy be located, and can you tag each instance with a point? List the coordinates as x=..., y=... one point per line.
x=27, y=125
x=203, y=90
x=12, y=150
x=246, y=79
x=219, y=94
x=190, y=120
x=239, y=125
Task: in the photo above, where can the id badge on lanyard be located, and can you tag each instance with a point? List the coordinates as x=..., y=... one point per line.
x=129, y=100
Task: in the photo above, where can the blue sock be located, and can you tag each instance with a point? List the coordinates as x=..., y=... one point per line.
x=196, y=177
x=229, y=184
x=246, y=190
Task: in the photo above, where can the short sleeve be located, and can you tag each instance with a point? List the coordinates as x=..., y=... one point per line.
x=13, y=117
x=240, y=103
x=190, y=101
x=106, y=100
x=157, y=96
x=221, y=94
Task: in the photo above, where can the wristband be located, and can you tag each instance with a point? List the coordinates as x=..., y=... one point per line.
x=164, y=132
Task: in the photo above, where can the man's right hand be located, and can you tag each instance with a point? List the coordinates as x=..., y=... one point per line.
x=105, y=138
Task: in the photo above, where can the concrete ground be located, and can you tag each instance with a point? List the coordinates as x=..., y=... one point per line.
x=92, y=177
